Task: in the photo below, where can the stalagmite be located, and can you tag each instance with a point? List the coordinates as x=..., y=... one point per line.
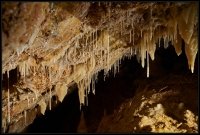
x=130, y=36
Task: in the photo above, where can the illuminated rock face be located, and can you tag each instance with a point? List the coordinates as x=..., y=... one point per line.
x=58, y=44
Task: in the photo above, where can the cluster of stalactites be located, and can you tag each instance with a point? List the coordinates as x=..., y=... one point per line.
x=98, y=49
x=177, y=28
x=94, y=48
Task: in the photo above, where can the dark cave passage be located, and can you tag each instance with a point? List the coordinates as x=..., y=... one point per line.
x=62, y=118
x=109, y=94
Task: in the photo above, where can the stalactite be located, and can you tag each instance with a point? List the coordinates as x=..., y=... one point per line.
x=108, y=50
x=186, y=14
x=183, y=27
x=151, y=33
x=165, y=41
x=191, y=51
x=135, y=51
x=178, y=45
x=8, y=98
x=76, y=46
x=96, y=37
x=130, y=36
x=93, y=84
x=8, y=105
x=132, y=23
x=86, y=102
x=92, y=41
x=131, y=50
x=143, y=51
x=81, y=92
x=109, y=13
x=104, y=75
x=159, y=42
x=25, y=117
x=114, y=69
x=147, y=65
x=133, y=36
x=50, y=99
x=27, y=98
x=88, y=80
x=4, y=126
x=86, y=40
x=126, y=20
x=42, y=105
x=61, y=91
x=17, y=73
x=50, y=74
x=118, y=66
x=121, y=26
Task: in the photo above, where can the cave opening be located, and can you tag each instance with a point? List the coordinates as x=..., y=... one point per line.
x=167, y=70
